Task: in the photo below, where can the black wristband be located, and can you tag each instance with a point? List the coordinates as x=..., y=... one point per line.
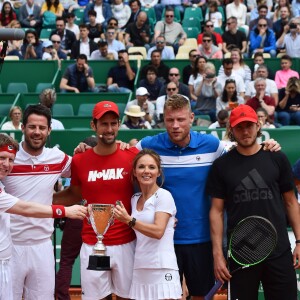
x=297, y=242
x=132, y=222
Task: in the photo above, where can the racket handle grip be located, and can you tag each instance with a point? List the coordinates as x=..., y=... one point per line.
x=214, y=289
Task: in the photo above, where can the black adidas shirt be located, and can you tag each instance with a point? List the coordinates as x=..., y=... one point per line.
x=252, y=185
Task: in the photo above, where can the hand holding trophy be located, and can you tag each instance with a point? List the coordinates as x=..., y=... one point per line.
x=101, y=217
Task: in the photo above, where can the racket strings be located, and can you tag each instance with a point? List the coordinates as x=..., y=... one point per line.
x=252, y=241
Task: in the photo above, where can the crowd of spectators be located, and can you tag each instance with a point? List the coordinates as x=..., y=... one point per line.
x=230, y=31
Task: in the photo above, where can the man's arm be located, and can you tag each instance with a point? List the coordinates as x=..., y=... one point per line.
x=64, y=86
x=109, y=81
x=68, y=196
x=216, y=216
x=293, y=213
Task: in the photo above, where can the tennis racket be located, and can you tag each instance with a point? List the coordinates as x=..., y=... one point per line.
x=252, y=241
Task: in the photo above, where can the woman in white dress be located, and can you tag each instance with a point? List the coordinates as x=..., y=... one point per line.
x=155, y=274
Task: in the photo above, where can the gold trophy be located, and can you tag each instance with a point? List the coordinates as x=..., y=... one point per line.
x=101, y=217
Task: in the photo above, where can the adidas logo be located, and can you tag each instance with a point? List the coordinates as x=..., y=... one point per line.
x=252, y=188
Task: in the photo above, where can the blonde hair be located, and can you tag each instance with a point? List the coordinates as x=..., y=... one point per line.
x=177, y=101
x=13, y=109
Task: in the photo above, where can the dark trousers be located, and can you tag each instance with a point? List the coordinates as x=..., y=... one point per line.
x=70, y=247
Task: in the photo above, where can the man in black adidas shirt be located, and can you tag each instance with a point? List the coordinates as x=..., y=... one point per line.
x=249, y=181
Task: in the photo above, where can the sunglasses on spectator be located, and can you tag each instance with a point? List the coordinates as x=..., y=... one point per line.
x=110, y=32
x=55, y=42
x=113, y=24
x=169, y=16
x=160, y=42
x=206, y=41
x=209, y=25
x=173, y=74
x=195, y=55
x=262, y=25
x=171, y=89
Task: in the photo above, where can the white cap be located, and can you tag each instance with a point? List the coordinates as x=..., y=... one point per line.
x=47, y=44
x=141, y=91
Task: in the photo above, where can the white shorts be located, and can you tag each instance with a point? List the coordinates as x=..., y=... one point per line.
x=154, y=284
x=33, y=270
x=5, y=281
x=99, y=284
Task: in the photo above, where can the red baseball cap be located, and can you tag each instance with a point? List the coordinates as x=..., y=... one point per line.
x=103, y=107
x=242, y=113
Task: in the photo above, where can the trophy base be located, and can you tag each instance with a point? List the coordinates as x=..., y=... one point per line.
x=99, y=263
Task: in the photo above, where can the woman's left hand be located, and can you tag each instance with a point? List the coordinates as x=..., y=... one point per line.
x=120, y=213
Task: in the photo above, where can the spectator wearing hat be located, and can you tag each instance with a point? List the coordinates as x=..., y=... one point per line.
x=103, y=53
x=134, y=118
x=48, y=51
x=142, y=100
x=71, y=24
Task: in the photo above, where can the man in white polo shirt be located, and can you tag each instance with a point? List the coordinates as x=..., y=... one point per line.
x=33, y=176
x=13, y=205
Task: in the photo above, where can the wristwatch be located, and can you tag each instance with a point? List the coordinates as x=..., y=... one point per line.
x=132, y=222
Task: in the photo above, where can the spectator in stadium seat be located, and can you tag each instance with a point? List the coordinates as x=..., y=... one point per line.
x=103, y=53
x=95, y=29
x=121, y=12
x=239, y=66
x=70, y=24
x=151, y=83
x=103, y=11
x=120, y=79
x=282, y=76
x=164, y=4
x=289, y=103
x=78, y=77
x=262, y=39
x=196, y=77
x=156, y=61
x=271, y=88
x=208, y=49
x=209, y=28
x=278, y=26
x=238, y=10
x=135, y=6
x=258, y=61
x=54, y=7
x=138, y=32
x=29, y=15
x=213, y=14
x=188, y=70
x=172, y=31
x=261, y=99
x=32, y=48
x=262, y=14
x=174, y=76
x=56, y=41
x=142, y=100
x=234, y=38
x=84, y=45
x=7, y=14
x=67, y=36
x=113, y=43
x=290, y=39
x=166, y=52
x=15, y=115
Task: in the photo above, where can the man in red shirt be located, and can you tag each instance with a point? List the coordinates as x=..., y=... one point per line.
x=261, y=100
x=209, y=28
x=103, y=175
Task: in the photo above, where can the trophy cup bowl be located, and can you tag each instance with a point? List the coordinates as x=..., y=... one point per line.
x=101, y=217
